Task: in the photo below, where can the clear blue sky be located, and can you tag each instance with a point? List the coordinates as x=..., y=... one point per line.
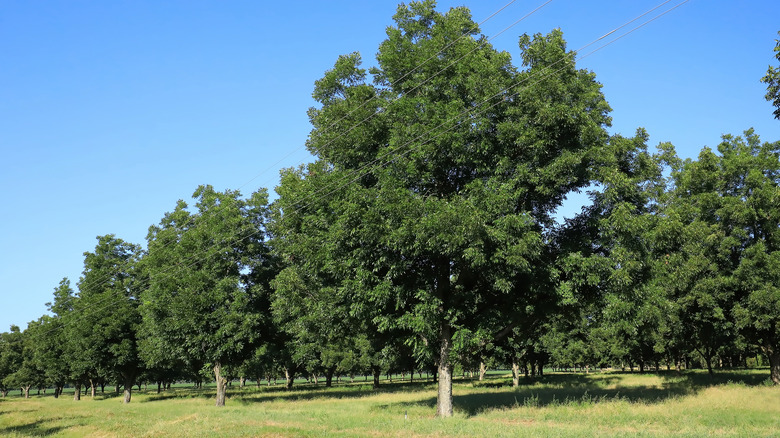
x=111, y=111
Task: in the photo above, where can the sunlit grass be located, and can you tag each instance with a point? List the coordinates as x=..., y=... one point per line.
x=598, y=404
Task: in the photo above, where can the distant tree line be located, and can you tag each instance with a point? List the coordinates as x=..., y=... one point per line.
x=424, y=237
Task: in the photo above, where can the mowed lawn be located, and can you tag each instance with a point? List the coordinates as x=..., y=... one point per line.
x=734, y=403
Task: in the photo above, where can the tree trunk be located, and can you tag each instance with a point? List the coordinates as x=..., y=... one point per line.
x=329, y=376
x=242, y=381
x=376, y=371
x=708, y=360
x=221, y=384
x=773, y=354
x=128, y=387
x=159, y=386
x=515, y=374
x=92, y=388
x=444, y=397
x=26, y=390
x=289, y=375
x=482, y=371
x=77, y=392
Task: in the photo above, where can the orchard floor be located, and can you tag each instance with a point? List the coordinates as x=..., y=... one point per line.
x=734, y=403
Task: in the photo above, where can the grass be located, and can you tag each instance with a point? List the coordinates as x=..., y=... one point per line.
x=737, y=403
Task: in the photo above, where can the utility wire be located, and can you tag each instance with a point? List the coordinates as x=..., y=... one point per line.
x=370, y=165
x=473, y=29
x=452, y=120
x=468, y=32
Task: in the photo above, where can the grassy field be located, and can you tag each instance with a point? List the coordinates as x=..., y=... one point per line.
x=738, y=403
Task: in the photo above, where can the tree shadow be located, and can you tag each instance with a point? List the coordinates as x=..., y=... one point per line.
x=584, y=389
x=719, y=377
x=36, y=428
x=562, y=380
x=477, y=403
x=301, y=392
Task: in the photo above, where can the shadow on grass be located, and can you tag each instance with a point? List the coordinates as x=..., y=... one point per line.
x=36, y=428
x=585, y=389
x=302, y=392
x=497, y=393
x=721, y=377
x=476, y=403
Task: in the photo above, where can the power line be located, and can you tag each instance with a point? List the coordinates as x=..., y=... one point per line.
x=450, y=44
x=474, y=28
x=467, y=111
x=452, y=120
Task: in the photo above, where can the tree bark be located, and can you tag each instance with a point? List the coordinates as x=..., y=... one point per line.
x=482, y=371
x=376, y=371
x=92, y=388
x=77, y=392
x=774, y=363
x=444, y=397
x=289, y=375
x=128, y=388
x=221, y=384
x=515, y=374
x=329, y=376
x=26, y=390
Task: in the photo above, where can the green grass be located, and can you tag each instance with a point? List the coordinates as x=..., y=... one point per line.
x=738, y=403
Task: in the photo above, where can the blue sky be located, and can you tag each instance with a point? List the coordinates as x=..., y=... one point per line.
x=111, y=111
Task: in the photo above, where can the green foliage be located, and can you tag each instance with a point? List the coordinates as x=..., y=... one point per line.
x=207, y=281
x=456, y=172
x=725, y=214
x=772, y=81
x=562, y=404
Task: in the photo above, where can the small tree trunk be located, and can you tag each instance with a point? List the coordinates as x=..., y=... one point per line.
x=77, y=393
x=515, y=374
x=774, y=363
x=159, y=386
x=376, y=371
x=26, y=391
x=329, y=376
x=289, y=375
x=221, y=384
x=128, y=387
x=482, y=371
x=444, y=396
